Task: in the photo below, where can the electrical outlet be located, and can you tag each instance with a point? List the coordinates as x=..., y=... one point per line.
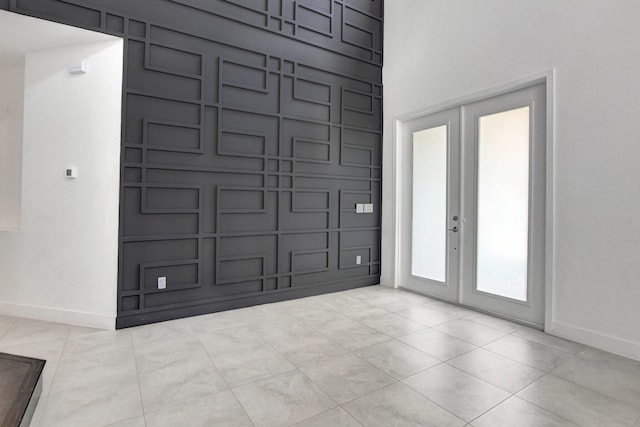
x=358, y=259
x=359, y=207
x=368, y=208
x=162, y=282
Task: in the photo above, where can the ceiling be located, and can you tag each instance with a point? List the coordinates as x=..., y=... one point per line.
x=20, y=34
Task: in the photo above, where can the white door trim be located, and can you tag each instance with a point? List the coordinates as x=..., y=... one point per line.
x=547, y=77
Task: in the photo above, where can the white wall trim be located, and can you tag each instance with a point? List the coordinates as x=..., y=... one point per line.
x=58, y=315
x=548, y=78
x=550, y=202
x=612, y=344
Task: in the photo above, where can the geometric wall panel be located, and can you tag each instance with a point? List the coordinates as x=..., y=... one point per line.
x=251, y=130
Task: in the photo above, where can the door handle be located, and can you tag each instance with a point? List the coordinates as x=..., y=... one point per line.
x=454, y=229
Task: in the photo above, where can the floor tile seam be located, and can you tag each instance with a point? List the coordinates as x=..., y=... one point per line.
x=326, y=393
x=551, y=346
x=623, y=359
x=480, y=379
x=226, y=384
x=327, y=358
x=321, y=358
x=393, y=311
x=518, y=395
x=244, y=410
x=505, y=333
x=435, y=403
x=265, y=345
x=378, y=388
x=108, y=381
x=543, y=408
x=359, y=324
x=382, y=332
x=197, y=335
x=278, y=339
x=54, y=375
x=13, y=321
x=579, y=386
x=426, y=326
x=375, y=344
x=350, y=414
x=395, y=380
x=145, y=343
x=459, y=354
x=263, y=378
x=122, y=421
x=217, y=368
x=513, y=334
x=93, y=353
x=546, y=371
x=189, y=400
x=218, y=331
x=491, y=408
x=71, y=359
x=424, y=352
x=440, y=362
x=594, y=391
x=299, y=371
x=496, y=385
x=102, y=384
x=144, y=351
x=602, y=364
x=329, y=410
x=444, y=311
x=140, y=372
x=273, y=347
x=561, y=365
x=319, y=329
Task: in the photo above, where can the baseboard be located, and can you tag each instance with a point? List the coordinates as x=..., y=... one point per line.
x=57, y=315
x=387, y=282
x=232, y=303
x=612, y=344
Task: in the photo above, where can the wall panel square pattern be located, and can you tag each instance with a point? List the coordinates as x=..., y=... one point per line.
x=251, y=129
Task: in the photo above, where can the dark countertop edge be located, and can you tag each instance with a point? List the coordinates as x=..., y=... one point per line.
x=25, y=393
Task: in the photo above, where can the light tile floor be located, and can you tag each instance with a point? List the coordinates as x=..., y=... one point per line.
x=372, y=356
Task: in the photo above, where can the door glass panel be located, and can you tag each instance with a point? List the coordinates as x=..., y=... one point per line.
x=503, y=204
x=429, y=245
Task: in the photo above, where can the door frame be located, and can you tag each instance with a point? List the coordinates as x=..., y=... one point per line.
x=400, y=178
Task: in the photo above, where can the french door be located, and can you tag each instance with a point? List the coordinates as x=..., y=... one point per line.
x=472, y=191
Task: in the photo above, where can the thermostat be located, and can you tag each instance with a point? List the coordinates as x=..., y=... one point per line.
x=71, y=173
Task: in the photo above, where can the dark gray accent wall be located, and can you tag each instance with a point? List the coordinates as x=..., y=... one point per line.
x=251, y=129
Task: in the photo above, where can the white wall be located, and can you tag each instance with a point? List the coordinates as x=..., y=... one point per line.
x=11, y=107
x=62, y=264
x=436, y=51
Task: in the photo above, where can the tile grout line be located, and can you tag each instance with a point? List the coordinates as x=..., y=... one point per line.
x=138, y=373
x=435, y=403
x=53, y=379
x=222, y=377
x=584, y=388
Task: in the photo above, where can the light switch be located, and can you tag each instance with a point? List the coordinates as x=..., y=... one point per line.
x=368, y=208
x=358, y=259
x=162, y=282
x=359, y=208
